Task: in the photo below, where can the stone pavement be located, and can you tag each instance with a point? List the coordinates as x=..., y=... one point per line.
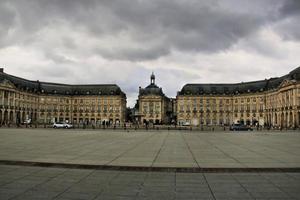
x=33, y=183
x=153, y=148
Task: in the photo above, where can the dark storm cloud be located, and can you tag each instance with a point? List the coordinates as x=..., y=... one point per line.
x=7, y=21
x=123, y=41
x=290, y=7
x=190, y=25
x=289, y=27
x=134, y=53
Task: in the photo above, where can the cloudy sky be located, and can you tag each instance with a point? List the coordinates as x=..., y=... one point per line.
x=123, y=41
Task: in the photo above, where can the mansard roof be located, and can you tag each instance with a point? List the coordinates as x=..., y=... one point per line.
x=62, y=89
x=151, y=90
x=238, y=88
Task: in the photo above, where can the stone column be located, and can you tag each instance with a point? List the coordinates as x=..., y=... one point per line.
x=298, y=118
x=283, y=119
x=2, y=91
x=288, y=119
x=2, y=116
x=294, y=118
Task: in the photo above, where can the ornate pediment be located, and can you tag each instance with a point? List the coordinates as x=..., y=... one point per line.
x=286, y=83
x=8, y=84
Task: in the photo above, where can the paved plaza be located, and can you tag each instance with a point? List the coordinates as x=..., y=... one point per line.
x=183, y=149
x=58, y=183
x=149, y=149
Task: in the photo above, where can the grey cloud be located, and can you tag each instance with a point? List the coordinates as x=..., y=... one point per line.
x=134, y=54
x=121, y=41
x=191, y=25
x=289, y=29
x=57, y=58
x=7, y=22
x=69, y=43
x=288, y=26
x=290, y=7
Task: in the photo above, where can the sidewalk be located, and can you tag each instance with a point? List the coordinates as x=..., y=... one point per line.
x=152, y=149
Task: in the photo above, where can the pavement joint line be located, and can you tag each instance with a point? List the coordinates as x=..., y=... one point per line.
x=278, y=187
x=226, y=154
x=74, y=146
x=72, y=185
x=149, y=169
x=158, y=152
x=20, y=177
x=245, y=188
x=258, y=153
x=268, y=146
x=175, y=188
x=207, y=183
x=108, y=184
x=50, y=178
x=142, y=185
x=189, y=148
x=106, y=144
x=129, y=149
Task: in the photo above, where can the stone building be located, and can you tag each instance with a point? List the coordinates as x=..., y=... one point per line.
x=153, y=105
x=272, y=102
x=43, y=102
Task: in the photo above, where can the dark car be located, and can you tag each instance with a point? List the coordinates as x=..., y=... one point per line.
x=240, y=127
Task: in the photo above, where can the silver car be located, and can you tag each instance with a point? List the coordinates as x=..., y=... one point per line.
x=62, y=125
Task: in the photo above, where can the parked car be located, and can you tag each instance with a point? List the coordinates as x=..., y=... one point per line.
x=186, y=124
x=240, y=127
x=27, y=121
x=62, y=125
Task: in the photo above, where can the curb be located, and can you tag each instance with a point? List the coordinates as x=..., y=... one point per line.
x=150, y=169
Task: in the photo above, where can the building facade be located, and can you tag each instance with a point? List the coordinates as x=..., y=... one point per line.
x=42, y=102
x=153, y=105
x=270, y=102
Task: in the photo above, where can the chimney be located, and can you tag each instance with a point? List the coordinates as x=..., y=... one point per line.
x=2, y=70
